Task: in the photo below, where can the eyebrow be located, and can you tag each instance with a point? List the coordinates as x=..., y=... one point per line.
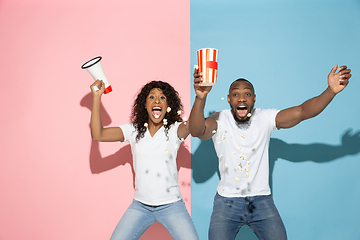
x=236, y=88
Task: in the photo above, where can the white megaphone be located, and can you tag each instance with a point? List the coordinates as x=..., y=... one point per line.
x=94, y=67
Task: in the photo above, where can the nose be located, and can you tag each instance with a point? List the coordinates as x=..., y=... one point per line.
x=241, y=98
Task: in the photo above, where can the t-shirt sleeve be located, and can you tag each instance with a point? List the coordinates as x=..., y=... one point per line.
x=271, y=113
x=127, y=130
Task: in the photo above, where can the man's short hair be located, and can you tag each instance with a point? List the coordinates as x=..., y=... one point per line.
x=245, y=80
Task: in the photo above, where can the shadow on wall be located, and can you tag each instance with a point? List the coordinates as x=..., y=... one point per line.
x=99, y=164
x=316, y=152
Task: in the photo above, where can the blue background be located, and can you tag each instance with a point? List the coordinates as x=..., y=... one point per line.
x=286, y=49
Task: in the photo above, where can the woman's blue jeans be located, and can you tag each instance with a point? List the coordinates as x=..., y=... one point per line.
x=258, y=212
x=138, y=217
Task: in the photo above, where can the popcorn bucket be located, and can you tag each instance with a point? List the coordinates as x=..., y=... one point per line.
x=208, y=65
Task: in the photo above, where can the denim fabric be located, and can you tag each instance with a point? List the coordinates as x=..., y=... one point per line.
x=138, y=217
x=258, y=212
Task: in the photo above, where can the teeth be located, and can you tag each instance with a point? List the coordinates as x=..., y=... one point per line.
x=157, y=112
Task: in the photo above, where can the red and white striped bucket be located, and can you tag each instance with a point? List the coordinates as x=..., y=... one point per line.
x=208, y=65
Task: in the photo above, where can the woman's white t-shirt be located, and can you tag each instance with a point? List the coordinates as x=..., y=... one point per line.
x=154, y=163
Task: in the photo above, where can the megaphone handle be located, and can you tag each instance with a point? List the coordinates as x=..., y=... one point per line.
x=96, y=88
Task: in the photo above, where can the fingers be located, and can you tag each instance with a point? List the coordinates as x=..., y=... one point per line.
x=333, y=70
x=97, y=85
x=345, y=75
x=197, y=76
x=342, y=68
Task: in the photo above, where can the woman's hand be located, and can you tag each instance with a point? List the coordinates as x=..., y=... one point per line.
x=97, y=88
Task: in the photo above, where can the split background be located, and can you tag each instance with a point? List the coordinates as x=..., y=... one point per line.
x=57, y=184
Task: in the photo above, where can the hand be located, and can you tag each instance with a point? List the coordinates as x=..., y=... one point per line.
x=100, y=85
x=338, y=81
x=351, y=141
x=200, y=90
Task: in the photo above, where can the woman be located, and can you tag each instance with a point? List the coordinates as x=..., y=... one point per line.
x=155, y=134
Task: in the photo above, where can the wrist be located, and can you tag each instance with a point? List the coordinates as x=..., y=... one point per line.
x=201, y=98
x=96, y=97
x=330, y=91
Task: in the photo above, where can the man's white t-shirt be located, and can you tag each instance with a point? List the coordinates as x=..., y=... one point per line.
x=154, y=163
x=243, y=153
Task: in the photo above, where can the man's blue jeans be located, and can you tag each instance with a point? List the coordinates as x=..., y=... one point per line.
x=138, y=217
x=258, y=212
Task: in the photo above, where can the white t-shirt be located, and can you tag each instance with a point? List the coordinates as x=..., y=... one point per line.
x=154, y=162
x=243, y=153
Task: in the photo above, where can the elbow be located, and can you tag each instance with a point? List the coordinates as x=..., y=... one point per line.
x=95, y=138
x=195, y=132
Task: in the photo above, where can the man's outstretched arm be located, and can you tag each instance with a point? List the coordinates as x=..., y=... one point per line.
x=198, y=125
x=290, y=117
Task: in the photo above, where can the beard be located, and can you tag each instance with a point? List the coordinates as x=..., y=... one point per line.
x=242, y=123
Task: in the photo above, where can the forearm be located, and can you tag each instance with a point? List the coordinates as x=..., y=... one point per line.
x=316, y=105
x=95, y=121
x=197, y=118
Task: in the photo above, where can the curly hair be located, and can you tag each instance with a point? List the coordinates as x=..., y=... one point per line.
x=139, y=114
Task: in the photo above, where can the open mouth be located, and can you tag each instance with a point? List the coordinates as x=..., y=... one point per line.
x=156, y=112
x=242, y=111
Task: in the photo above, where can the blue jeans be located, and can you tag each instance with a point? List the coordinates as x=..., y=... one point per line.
x=138, y=217
x=258, y=212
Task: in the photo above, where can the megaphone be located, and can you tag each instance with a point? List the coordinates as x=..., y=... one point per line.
x=94, y=67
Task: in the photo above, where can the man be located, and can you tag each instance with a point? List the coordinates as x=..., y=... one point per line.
x=241, y=138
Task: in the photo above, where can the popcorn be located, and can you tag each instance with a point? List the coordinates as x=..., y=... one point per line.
x=165, y=121
x=237, y=179
x=247, y=175
x=166, y=151
x=246, y=169
x=242, y=137
x=248, y=162
x=176, y=146
x=234, y=153
x=226, y=164
x=168, y=109
x=182, y=139
x=179, y=112
x=238, y=147
x=249, y=115
x=243, y=157
x=185, y=118
x=214, y=131
x=223, y=137
x=222, y=98
x=146, y=124
x=196, y=67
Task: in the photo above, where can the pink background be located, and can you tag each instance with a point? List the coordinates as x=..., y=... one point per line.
x=55, y=182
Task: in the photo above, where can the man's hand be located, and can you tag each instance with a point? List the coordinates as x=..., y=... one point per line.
x=338, y=81
x=200, y=90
